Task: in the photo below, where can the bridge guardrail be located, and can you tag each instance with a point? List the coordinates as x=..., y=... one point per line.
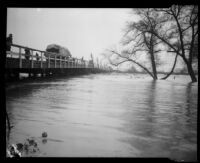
x=58, y=61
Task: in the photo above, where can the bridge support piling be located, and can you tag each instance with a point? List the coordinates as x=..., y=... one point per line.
x=16, y=75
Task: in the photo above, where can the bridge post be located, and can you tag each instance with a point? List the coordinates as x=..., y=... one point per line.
x=55, y=61
x=65, y=62
x=16, y=75
x=32, y=59
x=60, y=61
x=41, y=61
x=20, y=57
x=48, y=61
x=10, y=53
x=74, y=63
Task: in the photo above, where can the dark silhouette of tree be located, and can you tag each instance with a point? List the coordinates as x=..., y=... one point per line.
x=8, y=121
x=179, y=30
x=172, y=70
x=195, y=53
x=122, y=58
x=175, y=28
x=138, y=41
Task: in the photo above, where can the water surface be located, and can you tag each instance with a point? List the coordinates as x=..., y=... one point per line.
x=107, y=115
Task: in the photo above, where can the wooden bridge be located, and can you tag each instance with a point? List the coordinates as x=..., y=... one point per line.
x=16, y=62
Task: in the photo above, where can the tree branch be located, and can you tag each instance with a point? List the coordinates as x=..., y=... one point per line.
x=131, y=60
x=172, y=70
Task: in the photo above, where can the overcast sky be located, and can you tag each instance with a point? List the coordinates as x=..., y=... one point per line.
x=82, y=31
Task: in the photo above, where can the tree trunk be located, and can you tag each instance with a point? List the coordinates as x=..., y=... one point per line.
x=8, y=121
x=151, y=51
x=190, y=69
x=191, y=72
x=172, y=70
x=145, y=69
x=153, y=66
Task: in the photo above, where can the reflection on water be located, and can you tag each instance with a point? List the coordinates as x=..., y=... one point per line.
x=107, y=115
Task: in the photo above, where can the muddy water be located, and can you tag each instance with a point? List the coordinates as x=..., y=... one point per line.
x=107, y=115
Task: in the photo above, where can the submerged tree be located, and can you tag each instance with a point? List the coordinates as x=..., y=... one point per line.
x=179, y=30
x=138, y=42
x=176, y=28
x=172, y=69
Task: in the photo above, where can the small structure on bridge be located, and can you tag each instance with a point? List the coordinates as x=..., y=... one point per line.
x=57, y=50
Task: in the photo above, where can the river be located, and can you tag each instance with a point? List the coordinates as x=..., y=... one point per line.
x=107, y=115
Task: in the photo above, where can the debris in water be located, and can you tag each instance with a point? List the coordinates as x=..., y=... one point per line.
x=32, y=142
x=20, y=146
x=29, y=146
x=44, y=141
x=13, y=152
x=44, y=134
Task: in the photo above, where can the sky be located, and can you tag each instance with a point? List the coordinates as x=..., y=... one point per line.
x=83, y=31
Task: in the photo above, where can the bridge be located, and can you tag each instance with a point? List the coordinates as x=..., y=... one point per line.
x=16, y=63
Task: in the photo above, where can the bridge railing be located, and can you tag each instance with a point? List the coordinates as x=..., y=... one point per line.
x=41, y=61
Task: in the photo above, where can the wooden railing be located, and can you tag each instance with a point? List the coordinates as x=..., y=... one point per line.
x=42, y=61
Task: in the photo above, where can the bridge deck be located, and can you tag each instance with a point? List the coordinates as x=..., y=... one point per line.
x=16, y=58
x=16, y=63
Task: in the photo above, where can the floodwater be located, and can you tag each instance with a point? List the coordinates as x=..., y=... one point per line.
x=107, y=115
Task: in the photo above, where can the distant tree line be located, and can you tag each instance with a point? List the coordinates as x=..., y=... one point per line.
x=171, y=30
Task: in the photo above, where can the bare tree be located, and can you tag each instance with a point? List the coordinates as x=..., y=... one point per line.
x=151, y=22
x=117, y=59
x=179, y=31
x=138, y=41
x=176, y=28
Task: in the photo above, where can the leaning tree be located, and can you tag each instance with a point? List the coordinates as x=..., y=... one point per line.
x=138, y=42
x=179, y=31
